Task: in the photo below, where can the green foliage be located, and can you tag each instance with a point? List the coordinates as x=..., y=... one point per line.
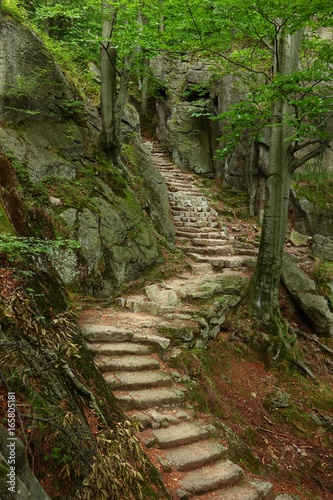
x=14, y=9
x=72, y=108
x=315, y=182
x=59, y=456
x=323, y=275
x=19, y=248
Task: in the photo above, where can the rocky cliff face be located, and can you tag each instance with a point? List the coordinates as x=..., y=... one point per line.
x=49, y=133
x=190, y=93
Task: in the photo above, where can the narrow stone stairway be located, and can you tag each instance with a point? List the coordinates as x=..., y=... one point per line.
x=192, y=461
x=133, y=340
x=198, y=228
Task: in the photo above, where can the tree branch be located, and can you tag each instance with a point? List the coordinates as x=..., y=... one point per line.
x=296, y=163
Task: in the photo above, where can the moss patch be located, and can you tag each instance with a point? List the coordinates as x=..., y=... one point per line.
x=5, y=225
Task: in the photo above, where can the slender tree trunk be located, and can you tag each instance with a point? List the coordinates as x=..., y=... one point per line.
x=110, y=139
x=144, y=86
x=113, y=95
x=267, y=274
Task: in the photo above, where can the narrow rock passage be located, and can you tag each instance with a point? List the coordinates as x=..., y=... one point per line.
x=133, y=340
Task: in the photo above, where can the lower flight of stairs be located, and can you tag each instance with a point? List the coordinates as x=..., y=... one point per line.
x=187, y=451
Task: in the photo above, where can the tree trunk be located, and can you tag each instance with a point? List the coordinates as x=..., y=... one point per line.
x=265, y=285
x=110, y=139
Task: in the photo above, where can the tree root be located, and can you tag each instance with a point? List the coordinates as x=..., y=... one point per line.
x=314, y=339
x=304, y=368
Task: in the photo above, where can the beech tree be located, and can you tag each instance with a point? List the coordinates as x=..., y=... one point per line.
x=129, y=30
x=285, y=66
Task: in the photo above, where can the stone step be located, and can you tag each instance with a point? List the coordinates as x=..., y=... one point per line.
x=119, y=348
x=190, y=216
x=137, y=380
x=211, y=242
x=247, y=251
x=202, y=226
x=193, y=210
x=181, y=183
x=147, y=398
x=157, y=341
x=232, y=261
x=211, y=477
x=216, y=250
x=126, y=363
x=163, y=418
x=182, y=434
x=197, y=233
x=103, y=333
x=195, y=455
x=254, y=490
x=187, y=192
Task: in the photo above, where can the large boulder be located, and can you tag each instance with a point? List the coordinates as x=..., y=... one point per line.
x=303, y=290
x=311, y=212
x=117, y=241
x=48, y=132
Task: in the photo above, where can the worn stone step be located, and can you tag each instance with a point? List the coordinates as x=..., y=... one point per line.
x=103, y=333
x=199, y=225
x=147, y=398
x=152, y=418
x=157, y=341
x=193, y=210
x=195, y=455
x=210, y=242
x=253, y=490
x=214, y=250
x=137, y=380
x=198, y=233
x=126, y=363
x=190, y=232
x=194, y=217
x=119, y=348
x=232, y=261
x=185, y=433
x=211, y=477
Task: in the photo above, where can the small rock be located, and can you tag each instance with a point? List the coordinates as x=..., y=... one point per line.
x=182, y=495
x=150, y=442
x=55, y=202
x=298, y=239
x=166, y=466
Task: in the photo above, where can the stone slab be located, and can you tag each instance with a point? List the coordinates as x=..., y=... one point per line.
x=126, y=363
x=120, y=348
x=195, y=455
x=131, y=380
x=212, y=477
x=184, y=433
x=103, y=333
x=147, y=398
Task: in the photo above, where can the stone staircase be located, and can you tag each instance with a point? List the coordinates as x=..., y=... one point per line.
x=133, y=340
x=198, y=228
x=192, y=461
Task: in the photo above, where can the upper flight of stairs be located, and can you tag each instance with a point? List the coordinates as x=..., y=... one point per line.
x=198, y=228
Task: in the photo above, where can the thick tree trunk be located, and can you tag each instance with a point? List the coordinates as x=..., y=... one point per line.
x=267, y=274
